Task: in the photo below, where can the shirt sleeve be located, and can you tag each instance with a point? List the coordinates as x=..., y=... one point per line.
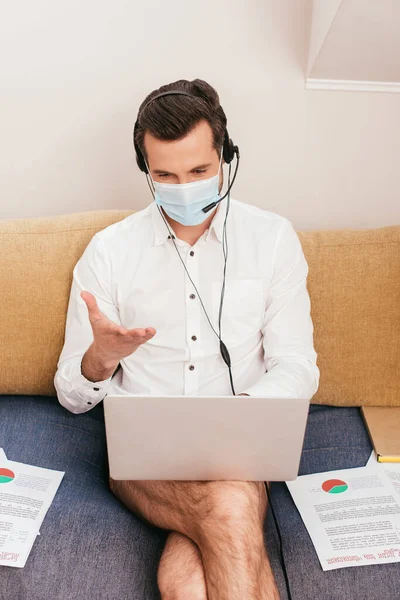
x=290, y=358
x=93, y=274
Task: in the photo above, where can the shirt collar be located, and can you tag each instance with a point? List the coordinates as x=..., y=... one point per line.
x=161, y=232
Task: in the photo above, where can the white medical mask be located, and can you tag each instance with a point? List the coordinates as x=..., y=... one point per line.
x=184, y=202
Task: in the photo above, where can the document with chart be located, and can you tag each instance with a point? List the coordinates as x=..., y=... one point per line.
x=351, y=515
x=26, y=493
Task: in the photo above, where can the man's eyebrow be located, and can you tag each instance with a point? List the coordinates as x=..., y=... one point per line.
x=203, y=166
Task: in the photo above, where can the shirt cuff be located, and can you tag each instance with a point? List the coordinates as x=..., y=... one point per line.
x=94, y=389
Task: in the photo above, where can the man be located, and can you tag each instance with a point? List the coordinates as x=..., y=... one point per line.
x=144, y=313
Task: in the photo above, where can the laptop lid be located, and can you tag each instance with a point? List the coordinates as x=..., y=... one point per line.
x=245, y=438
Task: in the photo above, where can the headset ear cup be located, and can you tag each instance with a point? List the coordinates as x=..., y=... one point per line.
x=139, y=156
x=229, y=149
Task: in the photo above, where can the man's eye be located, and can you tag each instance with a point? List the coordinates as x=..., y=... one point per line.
x=197, y=171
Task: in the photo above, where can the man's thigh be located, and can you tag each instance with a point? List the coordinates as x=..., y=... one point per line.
x=90, y=545
x=335, y=438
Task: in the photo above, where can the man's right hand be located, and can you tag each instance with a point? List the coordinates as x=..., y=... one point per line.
x=111, y=341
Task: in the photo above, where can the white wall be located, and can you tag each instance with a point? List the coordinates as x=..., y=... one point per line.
x=72, y=75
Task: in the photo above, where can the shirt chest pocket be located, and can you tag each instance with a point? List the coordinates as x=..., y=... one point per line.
x=242, y=309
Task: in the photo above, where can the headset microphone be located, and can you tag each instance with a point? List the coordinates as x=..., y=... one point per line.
x=210, y=206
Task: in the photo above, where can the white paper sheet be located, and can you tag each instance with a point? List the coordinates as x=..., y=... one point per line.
x=26, y=493
x=392, y=470
x=3, y=463
x=352, y=521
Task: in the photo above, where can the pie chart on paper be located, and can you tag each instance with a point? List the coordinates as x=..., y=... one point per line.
x=6, y=475
x=334, y=486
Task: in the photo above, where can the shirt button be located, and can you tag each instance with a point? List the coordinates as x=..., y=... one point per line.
x=191, y=253
x=96, y=389
x=192, y=296
x=194, y=338
x=191, y=367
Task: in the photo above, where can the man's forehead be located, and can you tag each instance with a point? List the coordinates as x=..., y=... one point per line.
x=171, y=157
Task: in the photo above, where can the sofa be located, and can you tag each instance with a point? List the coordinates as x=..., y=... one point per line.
x=91, y=545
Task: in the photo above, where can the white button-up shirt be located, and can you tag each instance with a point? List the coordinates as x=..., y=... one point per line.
x=133, y=270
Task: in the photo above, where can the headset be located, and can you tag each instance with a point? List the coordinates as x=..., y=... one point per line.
x=228, y=153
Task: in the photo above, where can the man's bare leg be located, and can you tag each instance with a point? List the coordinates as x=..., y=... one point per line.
x=181, y=573
x=224, y=519
x=233, y=549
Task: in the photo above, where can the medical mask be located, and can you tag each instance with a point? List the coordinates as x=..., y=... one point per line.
x=184, y=202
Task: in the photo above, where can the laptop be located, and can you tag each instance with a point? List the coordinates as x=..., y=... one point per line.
x=204, y=438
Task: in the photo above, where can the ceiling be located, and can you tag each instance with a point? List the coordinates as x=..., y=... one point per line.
x=355, y=41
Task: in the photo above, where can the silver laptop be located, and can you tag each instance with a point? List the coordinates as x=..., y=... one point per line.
x=204, y=438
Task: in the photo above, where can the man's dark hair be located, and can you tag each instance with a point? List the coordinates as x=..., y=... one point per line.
x=172, y=117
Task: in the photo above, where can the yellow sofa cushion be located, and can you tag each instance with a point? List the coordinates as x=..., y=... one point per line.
x=353, y=281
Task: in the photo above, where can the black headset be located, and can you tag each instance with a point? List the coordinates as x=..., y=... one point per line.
x=229, y=151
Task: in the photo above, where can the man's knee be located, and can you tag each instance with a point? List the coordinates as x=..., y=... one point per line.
x=234, y=502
